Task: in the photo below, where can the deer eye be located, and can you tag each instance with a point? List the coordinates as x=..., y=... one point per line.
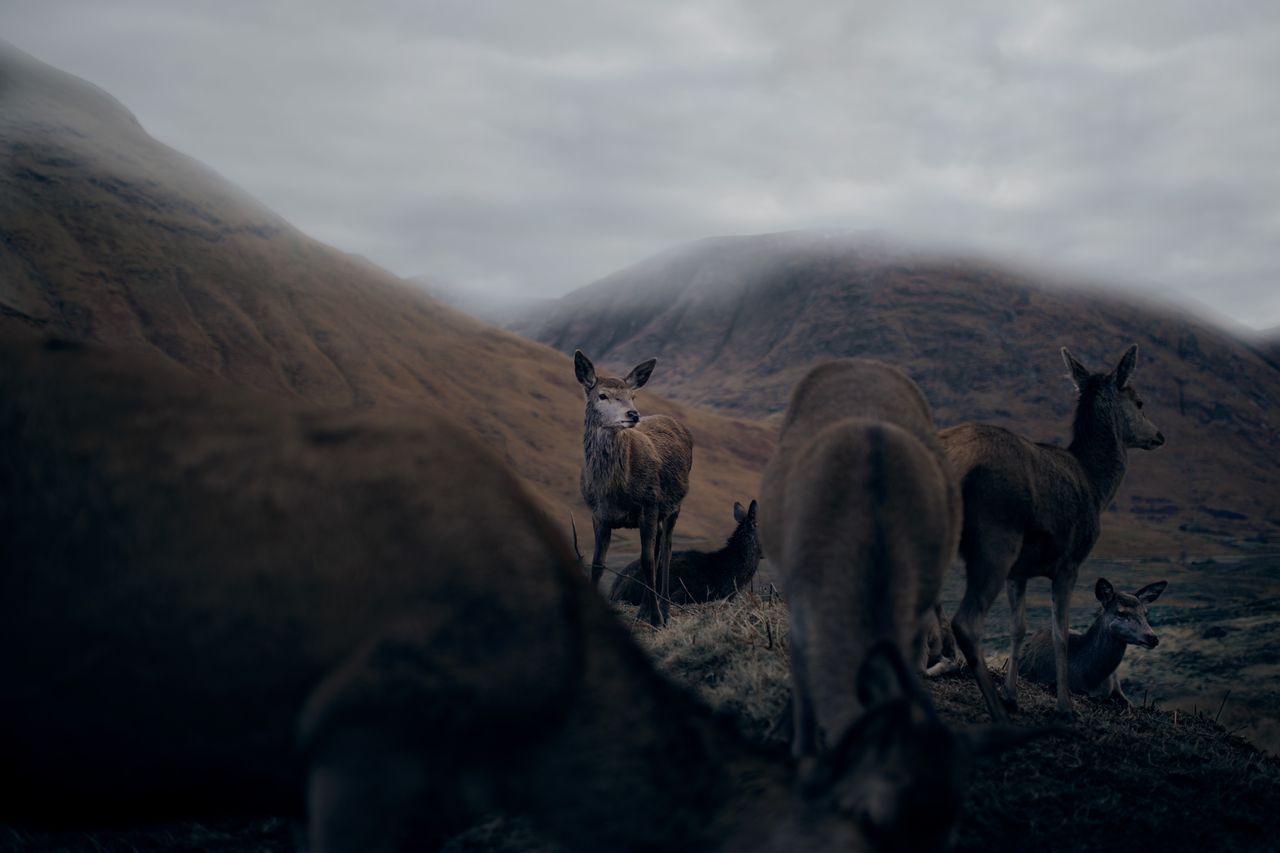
x=1139, y=404
x=604, y=396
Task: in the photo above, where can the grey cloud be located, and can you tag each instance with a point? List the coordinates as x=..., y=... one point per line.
x=544, y=145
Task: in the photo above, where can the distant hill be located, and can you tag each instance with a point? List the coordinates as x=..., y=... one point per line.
x=739, y=319
x=107, y=235
x=498, y=308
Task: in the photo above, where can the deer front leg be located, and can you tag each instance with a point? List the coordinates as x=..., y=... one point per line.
x=651, y=609
x=1017, y=589
x=604, y=533
x=1063, y=582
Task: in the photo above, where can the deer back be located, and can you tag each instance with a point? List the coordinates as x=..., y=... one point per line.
x=182, y=563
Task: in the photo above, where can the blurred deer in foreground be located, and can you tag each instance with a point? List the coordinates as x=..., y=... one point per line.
x=860, y=517
x=699, y=576
x=1095, y=655
x=635, y=473
x=196, y=579
x=1032, y=510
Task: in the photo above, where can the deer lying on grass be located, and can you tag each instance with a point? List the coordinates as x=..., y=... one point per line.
x=1095, y=655
x=861, y=516
x=194, y=579
x=1032, y=510
x=698, y=576
x=635, y=473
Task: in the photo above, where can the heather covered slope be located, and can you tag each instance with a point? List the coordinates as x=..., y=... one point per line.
x=107, y=235
x=742, y=318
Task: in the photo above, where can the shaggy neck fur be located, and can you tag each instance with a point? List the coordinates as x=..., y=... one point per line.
x=603, y=453
x=1096, y=440
x=1099, y=653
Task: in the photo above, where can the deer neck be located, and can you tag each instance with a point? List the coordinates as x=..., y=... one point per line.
x=1097, y=445
x=604, y=455
x=1099, y=653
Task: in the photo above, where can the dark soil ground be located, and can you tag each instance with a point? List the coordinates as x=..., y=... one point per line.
x=1159, y=775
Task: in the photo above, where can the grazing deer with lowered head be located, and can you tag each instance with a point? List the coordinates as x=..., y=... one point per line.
x=635, y=473
x=860, y=516
x=215, y=602
x=1094, y=656
x=1032, y=510
x=698, y=576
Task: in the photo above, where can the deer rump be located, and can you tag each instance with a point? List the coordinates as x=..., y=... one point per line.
x=183, y=566
x=861, y=515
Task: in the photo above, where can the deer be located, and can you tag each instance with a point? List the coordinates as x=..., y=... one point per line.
x=635, y=474
x=860, y=515
x=1095, y=655
x=699, y=576
x=1033, y=510
x=216, y=602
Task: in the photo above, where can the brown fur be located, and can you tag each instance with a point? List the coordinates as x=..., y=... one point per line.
x=186, y=568
x=859, y=517
x=1032, y=510
x=635, y=474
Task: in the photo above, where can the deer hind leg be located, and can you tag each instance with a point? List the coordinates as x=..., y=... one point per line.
x=987, y=564
x=668, y=533
x=604, y=533
x=1017, y=589
x=651, y=608
x=1064, y=581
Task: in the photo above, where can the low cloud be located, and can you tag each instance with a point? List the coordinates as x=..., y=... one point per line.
x=541, y=146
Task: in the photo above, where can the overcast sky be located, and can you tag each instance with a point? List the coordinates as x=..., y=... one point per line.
x=542, y=145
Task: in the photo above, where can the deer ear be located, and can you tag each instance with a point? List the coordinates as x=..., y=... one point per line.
x=751, y=510
x=1124, y=369
x=1150, y=592
x=640, y=373
x=883, y=675
x=1103, y=590
x=739, y=512
x=1079, y=373
x=584, y=370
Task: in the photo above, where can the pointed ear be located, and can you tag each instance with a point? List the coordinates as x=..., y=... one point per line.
x=751, y=510
x=1079, y=373
x=739, y=512
x=1104, y=590
x=883, y=675
x=1150, y=592
x=584, y=370
x=1124, y=369
x=640, y=373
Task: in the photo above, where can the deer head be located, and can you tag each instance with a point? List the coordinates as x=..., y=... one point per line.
x=1113, y=393
x=1124, y=615
x=611, y=401
x=900, y=773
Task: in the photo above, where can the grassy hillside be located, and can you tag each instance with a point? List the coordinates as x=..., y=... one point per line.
x=109, y=236
x=743, y=318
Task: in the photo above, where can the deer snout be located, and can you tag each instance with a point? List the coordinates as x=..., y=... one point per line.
x=633, y=416
x=1158, y=440
x=1151, y=641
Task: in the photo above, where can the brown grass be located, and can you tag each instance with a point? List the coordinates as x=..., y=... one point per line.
x=1165, y=780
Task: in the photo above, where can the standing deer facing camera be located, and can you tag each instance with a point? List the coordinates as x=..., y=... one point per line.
x=860, y=517
x=1032, y=510
x=635, y=473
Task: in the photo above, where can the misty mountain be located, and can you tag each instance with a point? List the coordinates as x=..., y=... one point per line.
x=499, y=308
x=108, y=236
x=736, y=321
